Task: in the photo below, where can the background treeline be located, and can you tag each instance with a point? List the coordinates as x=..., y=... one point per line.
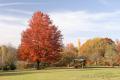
x=101, y=51
x=8, y=57
x=97, y=52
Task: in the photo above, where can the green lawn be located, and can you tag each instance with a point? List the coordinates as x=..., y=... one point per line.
x=64, y=74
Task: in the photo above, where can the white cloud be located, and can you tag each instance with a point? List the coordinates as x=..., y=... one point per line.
x=84, y=25
x=20, y=11
x=19, y=3
x=11, y=28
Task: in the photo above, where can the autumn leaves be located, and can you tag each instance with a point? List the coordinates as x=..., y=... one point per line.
x=42, y=41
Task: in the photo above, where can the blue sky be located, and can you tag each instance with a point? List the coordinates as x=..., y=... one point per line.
x=81, y=19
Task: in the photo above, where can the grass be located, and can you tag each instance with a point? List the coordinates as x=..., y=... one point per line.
x=64, y=74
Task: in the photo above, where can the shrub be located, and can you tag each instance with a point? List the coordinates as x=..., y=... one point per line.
x=24, y=65
x=21, y=65
x=12, y=66
x=6, y=68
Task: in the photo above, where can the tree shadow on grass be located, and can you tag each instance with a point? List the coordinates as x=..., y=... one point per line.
x=49, y=70
x=15, y=73
x=71, y=68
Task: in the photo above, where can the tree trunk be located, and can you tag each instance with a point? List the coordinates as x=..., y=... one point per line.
x=38, y=65
x=82, y=65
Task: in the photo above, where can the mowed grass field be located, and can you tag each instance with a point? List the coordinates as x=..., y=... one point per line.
x=64, y=74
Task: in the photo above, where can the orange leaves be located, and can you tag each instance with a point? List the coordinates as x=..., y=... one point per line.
x=98, y=49
x=118, y=45
x=96, y=45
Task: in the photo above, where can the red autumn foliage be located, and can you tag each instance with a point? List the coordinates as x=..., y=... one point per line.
x=41, y=41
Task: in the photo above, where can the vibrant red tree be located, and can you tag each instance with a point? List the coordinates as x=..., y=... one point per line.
x=42, y=41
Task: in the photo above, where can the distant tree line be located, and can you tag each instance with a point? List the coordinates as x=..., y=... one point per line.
x=96, y=51
x=8, y=57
